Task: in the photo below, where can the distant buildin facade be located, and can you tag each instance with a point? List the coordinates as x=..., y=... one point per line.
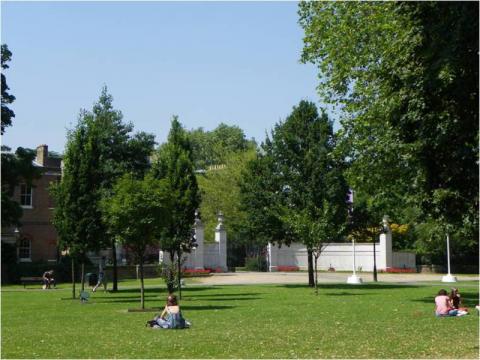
x=36, y=239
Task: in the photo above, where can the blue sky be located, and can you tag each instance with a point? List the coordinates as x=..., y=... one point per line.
x=208, y=63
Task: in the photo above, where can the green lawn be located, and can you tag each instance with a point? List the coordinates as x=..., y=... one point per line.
x=264, y=321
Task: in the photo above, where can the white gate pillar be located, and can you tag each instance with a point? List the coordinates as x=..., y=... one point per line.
x=199, y=238
x=385, y=258
x=221, y=239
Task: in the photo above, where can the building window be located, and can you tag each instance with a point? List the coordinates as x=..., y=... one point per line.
x=24, y=250
x=26, y=196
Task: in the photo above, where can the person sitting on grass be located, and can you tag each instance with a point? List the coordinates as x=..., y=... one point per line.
x=443, y=305
x=456, y=302
x=48, y=279
x=171, y=317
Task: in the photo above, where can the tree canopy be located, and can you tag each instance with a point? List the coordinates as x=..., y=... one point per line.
x=137, y=214
x=7, y=98
x=213, y=147
x=405, y=76
x=296, y=187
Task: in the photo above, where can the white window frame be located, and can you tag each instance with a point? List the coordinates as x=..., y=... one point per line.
x=25, y=259
x=31, y=196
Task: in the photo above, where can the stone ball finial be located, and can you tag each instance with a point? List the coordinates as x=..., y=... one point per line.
x=386, y=222
x=220, y=218
x=198, y=219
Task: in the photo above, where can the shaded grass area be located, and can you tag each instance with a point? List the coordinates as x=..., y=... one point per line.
x=262, y=321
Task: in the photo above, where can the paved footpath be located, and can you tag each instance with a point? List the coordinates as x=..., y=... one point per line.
x=245, y=278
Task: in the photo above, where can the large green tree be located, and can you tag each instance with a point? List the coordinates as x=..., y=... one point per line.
x=137, y=213
x=296, y=188
x=98, y=152
x=261, y=201
x=221, y=192
x=16, y=167
x=77, y=216
x=405, y=75
x=118, y=150
x=214, y=147
x=174, y=163
x=7, y=98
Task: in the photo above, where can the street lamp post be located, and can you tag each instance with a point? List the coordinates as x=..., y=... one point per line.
x=352, y=279
x=374, y=259
x=449, y=277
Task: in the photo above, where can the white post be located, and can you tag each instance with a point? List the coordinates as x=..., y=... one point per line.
x=449, y=277
x=354, y=279
x=354, y=265
x=221, y=239
x=199, y=235
x=269, y=257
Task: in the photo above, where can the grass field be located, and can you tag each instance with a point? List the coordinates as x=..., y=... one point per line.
x=263, y=321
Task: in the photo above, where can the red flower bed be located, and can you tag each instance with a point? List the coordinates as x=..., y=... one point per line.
x=288, y=268
x=400, y=270
x=195, y=272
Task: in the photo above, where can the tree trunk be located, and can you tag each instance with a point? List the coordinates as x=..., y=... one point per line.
x=171, y=273
x=114, y=270
x=73, y=278
x=316, y=276
x=142, y=291
x=311, y=281
x=374, y=261
x=83, y=275
x=179, y=275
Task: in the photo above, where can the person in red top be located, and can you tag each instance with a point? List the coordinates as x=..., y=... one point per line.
x=443, y=305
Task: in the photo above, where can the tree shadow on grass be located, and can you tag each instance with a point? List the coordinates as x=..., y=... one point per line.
x=207, y=307
x=160, y=289
x=345, y=294
x=226, y=294
x=223, y=299
x=137, y=290
x=468, y=299
x=368, y=286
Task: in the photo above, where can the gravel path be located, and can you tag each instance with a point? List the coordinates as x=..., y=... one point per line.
x=245, y=278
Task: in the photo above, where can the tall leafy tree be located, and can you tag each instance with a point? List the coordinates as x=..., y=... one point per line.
x=214, y=147
x=16, y=167
x=137, y=213
x=315, y=198
x=119, y=151
x=98, y=152
x=77, y=216
x=297, y=186
x=405, y=75
x=7, y=98
x=261, y=201
x=174, y=163
x=221, y=192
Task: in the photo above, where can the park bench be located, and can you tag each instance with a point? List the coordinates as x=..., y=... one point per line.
x=31, y=279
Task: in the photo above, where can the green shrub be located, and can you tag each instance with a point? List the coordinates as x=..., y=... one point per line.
x=256, y=263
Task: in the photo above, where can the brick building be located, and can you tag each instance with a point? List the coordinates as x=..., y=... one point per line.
x=36, y=239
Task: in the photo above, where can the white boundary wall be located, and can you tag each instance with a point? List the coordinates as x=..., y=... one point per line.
x=340, y=256
x=212, y=255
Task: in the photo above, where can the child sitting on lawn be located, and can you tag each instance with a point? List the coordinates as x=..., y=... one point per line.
x=443, y=305
x=456, y=302
x=171, y=317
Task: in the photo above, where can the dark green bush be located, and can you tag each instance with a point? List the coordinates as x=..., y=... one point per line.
x=256, y=263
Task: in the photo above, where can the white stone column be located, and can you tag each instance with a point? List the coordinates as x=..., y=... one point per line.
x=354, y=279
x=449, y=277
x=199, y=238
x=221, y=239
x=385, y=257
